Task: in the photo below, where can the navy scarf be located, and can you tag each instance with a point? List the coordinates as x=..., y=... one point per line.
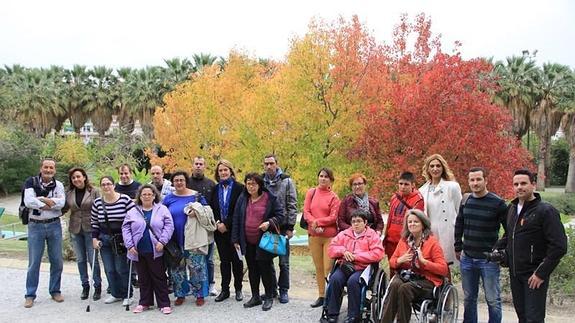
x=224, y=206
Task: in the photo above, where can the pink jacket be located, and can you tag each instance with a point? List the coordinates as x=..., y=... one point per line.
x=366, y=248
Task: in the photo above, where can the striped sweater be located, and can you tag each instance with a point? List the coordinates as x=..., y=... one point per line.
x=116, y=213
x=477, y=224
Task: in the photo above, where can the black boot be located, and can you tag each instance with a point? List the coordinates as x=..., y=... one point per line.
x=224, y=294
x=268, y=302
x=85, y=293
x=318, y=302
x=97, y=293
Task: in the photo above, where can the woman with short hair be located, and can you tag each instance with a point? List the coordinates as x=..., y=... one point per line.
x=359, y=199
x=223, y=203
x=146, y=229
x=108, y=213
x=176, y=203
x=257, y=211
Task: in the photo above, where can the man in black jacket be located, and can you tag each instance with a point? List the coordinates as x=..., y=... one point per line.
x=535, y=242
x=200, y=183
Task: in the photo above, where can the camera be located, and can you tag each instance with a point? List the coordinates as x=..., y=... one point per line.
x=407, y=275
x=498, y=256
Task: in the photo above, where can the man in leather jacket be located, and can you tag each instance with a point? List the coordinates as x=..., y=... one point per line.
x=535, y=242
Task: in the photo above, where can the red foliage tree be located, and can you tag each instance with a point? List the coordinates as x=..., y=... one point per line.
x=433, y=102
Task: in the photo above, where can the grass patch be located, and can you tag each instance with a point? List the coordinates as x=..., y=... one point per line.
x=564, y=202
x=12, y=219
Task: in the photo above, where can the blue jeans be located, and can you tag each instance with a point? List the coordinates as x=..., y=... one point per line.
x=210, y=262
x=337, y=281
x=116, y=267
x=84, y=250
x=471, y=270
x=283, y=279
x=39, y=235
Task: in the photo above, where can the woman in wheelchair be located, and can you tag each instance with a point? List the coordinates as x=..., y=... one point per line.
x=354, y=249
x=421, y=266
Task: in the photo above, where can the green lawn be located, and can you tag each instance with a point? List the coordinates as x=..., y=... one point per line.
x=12, y=247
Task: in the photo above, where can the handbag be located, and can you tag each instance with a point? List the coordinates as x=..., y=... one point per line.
x=23, y=211
x=116, y=239
x=173, y=253
x=302, y=222
x=347, y=268
x=273, y=243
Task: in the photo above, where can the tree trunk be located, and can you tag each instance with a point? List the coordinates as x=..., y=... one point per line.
x=548, y=165
x=570, y=185
x=541, y=165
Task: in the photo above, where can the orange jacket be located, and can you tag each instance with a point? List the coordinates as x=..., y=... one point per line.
x=435, y=268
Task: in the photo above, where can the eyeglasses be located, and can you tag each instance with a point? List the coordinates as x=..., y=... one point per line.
x=357, y=184
x=357, y=221
x=106, y=184
x=251, y=184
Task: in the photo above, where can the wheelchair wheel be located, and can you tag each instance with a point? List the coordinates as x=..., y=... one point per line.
x=378, y=290
x=448, y=305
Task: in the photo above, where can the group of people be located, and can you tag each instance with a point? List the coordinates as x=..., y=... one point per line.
x=427, y=229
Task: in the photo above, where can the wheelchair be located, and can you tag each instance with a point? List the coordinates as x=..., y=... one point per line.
x=441, y=305
x=372, y=292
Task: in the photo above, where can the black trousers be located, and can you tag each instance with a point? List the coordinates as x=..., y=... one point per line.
x=260, y=266
x=153, y=280
x=229, y=260
x=529, y=303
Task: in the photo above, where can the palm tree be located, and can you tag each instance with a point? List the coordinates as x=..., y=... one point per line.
x=178, y=70
x=144, y=93
x=568, y=126
x=125, y=119
x=79, y=96
x=36, y=92
x=516, y=77
x=553, y=85
x=202, y=60
x=102, y=100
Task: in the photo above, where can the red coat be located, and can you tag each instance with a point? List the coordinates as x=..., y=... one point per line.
x=436, y=267
x=397, y=211
x=366, y=247
x=349, y=205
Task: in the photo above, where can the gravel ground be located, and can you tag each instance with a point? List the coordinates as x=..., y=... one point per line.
x=74, y=310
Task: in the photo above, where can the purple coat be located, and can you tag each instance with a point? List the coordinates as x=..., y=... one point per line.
x=135, y=224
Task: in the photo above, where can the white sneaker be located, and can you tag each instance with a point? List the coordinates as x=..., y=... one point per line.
x=213, y=290
x=127, y=301
x=111, y=299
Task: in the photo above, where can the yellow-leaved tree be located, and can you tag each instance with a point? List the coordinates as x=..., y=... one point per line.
x=305, y=109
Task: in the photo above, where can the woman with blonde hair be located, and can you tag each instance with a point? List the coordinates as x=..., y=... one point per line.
x=442, y=196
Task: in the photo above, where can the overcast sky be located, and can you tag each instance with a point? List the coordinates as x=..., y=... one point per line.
x=138, y=33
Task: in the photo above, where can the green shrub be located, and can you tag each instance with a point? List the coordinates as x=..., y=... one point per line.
x=564, y=202
x=19, y=158
x=559, y=162
x=562, y=280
